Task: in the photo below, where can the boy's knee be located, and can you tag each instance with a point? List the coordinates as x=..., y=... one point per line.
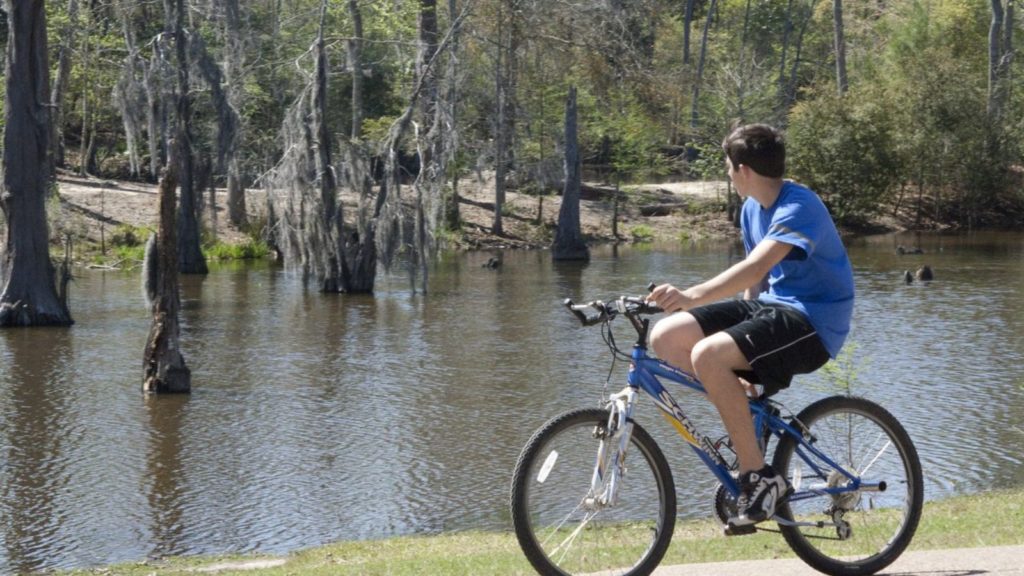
x=658, y=338
x=703, y=354
x=710, y=352
x=671, y=340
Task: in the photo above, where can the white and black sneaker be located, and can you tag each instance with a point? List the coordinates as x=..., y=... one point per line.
x=761, y=493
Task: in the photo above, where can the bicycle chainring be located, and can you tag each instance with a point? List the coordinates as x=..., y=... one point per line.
x=725, y=504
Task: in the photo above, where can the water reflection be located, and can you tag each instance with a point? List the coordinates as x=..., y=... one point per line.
x=323, y=417
x=164, y=482
x=35, y=471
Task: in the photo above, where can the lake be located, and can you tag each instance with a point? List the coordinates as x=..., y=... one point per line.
x=316, y=418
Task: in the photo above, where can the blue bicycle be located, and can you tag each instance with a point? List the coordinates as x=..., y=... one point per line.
x=592, y=493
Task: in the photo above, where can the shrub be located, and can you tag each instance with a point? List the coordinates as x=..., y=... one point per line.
x=642, y=233
x=251, y=249
x=842, y=148
x=128, y=235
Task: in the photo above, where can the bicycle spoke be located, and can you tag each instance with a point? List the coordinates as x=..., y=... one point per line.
x=554, y=530
x=564, y=546
x=861, y=530
x=562, y=533
x=863, y=472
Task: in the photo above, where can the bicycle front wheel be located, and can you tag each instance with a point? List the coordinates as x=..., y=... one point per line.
x=865, y=527
x=562, y=526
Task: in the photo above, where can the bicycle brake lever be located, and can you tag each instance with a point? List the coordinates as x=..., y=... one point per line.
x=648, y=307
x=577, y=311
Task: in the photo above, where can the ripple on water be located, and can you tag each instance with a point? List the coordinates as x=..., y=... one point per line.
x=323, y=417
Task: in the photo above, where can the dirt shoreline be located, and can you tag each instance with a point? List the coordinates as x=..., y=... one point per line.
x=91, y=209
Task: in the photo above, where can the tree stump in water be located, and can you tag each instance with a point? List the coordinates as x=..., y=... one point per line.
x=165, y=369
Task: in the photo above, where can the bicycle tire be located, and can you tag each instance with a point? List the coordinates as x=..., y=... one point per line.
x=859, y=435
x=552, y=481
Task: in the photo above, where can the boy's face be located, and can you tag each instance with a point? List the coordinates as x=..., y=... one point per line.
x=738, y=180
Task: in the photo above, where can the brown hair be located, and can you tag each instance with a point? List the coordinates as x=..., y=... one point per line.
x=759, y=146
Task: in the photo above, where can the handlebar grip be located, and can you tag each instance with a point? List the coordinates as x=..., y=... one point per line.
x=577, y=311
x=652, y=309
x=651, y=286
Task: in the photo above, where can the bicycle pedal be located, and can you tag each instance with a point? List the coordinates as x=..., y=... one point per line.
x=732, y=530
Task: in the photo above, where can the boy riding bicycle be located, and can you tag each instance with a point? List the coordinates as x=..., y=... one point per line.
x=797, y=286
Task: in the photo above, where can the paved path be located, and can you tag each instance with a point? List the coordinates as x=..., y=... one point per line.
x=991, y=561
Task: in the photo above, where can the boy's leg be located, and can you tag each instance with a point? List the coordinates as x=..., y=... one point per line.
x=679, y=340
x=716, y=358
x=674, y=337
x=715, y=361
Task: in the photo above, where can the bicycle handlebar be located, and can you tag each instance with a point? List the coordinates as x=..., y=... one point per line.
x=630, y=306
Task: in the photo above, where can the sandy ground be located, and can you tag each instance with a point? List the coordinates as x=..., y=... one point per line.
x=93, y=208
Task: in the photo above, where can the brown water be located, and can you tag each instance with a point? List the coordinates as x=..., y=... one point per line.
x=317, y=418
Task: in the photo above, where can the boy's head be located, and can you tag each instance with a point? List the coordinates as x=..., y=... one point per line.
x=758, y=146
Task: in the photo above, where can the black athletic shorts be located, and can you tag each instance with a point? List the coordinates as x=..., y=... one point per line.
x=777, y=340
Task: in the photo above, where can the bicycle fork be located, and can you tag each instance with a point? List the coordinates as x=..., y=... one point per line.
x=611, y=453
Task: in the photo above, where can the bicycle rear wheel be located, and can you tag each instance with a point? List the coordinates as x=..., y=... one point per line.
x=560, y=527
x=864, y=530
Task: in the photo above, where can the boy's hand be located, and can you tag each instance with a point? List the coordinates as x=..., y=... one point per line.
x=669, y=298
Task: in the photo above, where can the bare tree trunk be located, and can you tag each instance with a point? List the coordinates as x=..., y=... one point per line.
x=359, y=247
x=1007, y=60
x=164, y=369
x=83, y=168
x=742, y=88
x=695, y=109
x=569, y=244
x=355, y=57
x=427, y=26
x=505, y=93
x=331, y=253
x=687, y=26
x=998, y=59
x=152, y=79
x=790, y=92
x=227, y=120
x=190, y=252
x=500, y=87
x=233, y=63
x=60, y=84
x=451, y=198
x=430, y=173
x=29, y=296
x=840, y=46
x=783, y=50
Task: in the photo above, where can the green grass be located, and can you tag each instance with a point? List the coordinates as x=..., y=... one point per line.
x=250, y=249
x=989, y=519
x=642, y=233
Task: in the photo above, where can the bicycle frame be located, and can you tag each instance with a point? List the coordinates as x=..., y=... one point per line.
x=645, y=373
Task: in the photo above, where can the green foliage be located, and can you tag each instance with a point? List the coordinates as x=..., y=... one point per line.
x=134, y=253
x=631, y=137
x=914, y=117
x=642, y=233
x=843, y=148
x=842, y=372
x=129, y=236
x=709, y=163
x=250, y=249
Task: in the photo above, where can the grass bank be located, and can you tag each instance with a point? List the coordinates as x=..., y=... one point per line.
x=989, y=519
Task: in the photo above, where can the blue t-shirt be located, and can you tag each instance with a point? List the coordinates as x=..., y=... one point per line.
x=815, y=277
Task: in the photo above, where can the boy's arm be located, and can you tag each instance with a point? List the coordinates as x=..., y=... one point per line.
x=754, y=291
x=745, y=276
